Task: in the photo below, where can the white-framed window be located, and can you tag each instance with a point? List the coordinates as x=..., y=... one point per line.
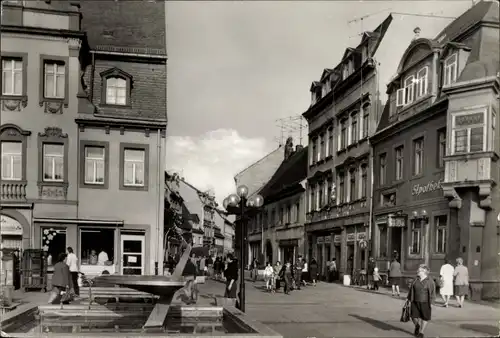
x=399, y=162
x=364, y=181
x=365, y=121
x=341, y=190
x=345, y=71
x=354, y=128
x=116, y=91
x=418, y=156
x=406, y=95
x=416, y=234
x=12, y=76
x=441, y=227
x=441, y=147
x=468, y=133
x=318, y=148
x=327, y=143
x=94, y=165
x=343, y=134
x=422, y=81
x=313, y=152
x=321, y=195
x=12, y=157
x=310, y=206
x=450, y=69
x=133, y=167
x=54, y=84
x=53, y=162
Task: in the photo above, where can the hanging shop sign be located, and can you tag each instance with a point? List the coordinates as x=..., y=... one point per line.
x=361, y=236
x=10, y=226
x=363, y=244
x=321, y=240
x=351, y=237
x=328, y=239
x=419, y=189
x=337, y=239
x=396, y=221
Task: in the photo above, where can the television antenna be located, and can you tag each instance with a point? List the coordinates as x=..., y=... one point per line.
x=291, y=126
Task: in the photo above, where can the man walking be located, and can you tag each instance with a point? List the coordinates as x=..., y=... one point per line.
x=72, y=262
x=298, y=272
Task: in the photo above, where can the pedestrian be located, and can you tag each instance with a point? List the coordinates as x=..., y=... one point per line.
x=376, y=278
x=218, y=268
x=332, y=270
x=395, y=276
x=298, y=272
x=203, y=266
x=231, y=274
x=461, y=275
x=277, y=278
x=369, y=275
x=287, y=274
x=210, y=265
x=446, y=281
x=72, y=262
x=305, y=273
x=190, y=272
x=421, y=295
x=61, y=279
x=254, y=273
x=268, y=276
x=313, y=271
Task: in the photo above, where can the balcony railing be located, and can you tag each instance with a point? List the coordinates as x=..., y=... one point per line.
x=13, y=190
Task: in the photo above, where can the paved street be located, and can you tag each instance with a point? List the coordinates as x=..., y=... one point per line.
x=332, y=310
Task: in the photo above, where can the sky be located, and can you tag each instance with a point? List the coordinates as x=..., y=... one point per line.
x=235, y=68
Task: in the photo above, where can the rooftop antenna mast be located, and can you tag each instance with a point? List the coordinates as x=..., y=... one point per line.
x=292, y=126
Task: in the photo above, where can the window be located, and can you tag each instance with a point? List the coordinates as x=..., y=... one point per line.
x=354, y=128
x=330, y=142
x=288, y=214
x=450, y=70
x=320, y=195
x=329, y=191
x=364, y=181
x=282, y=215
x=364, y=53
x=318, y=148
x=313, y=152
x=297, y=212
x=322, y=153
x=352, y=185
x=311, y=199
x=441, y=147
x=134, y=167
x=12, y=157
x=343, y=134
x=468, y=133
x=116, y=91
x=53, y=162
x=345, y=71
x=54, y=79
x=94, y=165
x=399, y=162
x=418, y=156
x=422, y=81
x=341, y=188
x=406, y=95
x=97, y=246
x=383, y=241
x=383, y=168
x=273, y=217
x=365, y=122
x=53, y=242
x=12, y=76
x=415, y=237
x=440, y=224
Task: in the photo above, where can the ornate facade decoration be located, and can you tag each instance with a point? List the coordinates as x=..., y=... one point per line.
x=14, y=103
x=53, y=132
x=53, y=107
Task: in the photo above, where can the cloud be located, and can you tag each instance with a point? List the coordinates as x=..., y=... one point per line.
x=211, y=160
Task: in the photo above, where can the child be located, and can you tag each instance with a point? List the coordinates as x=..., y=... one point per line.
x=268, y=276
x=376, y=278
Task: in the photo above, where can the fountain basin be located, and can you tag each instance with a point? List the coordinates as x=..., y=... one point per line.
x=127, y=319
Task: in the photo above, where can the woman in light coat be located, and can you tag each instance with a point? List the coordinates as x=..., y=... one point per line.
x=461, y=275
x=446, y=282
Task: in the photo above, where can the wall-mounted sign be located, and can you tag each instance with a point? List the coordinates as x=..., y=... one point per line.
x=380, y=220
x=419, y=189
x=470, y=119
x=328, y=239
x=337, y=239
x=351, y=237
x=10, y=226
x=321, y=240
x=361, y=236
x=396, y=221
x=363, y=244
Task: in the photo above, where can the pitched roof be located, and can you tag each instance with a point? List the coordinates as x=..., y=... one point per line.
x=125, y=26
x=291, y=171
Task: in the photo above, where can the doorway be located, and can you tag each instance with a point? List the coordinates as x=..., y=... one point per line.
x=350, y=259
x=288, y=254
x=132, y=249
x=396, y=242
x=269, y=253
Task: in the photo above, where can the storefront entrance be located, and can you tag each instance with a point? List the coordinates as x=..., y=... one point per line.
x=396, y=237
x=12, y=233
x=288, y=254
x=132, y=249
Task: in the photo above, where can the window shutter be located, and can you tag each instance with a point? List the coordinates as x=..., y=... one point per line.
x=400, y=97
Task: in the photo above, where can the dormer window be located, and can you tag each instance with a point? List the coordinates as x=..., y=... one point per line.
x=364, y=53
x=422, y=81
x=116, y=86
x=409, y=89
x=450, y=70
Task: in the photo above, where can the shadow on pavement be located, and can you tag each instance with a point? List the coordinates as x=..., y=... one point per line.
x=380, y=325
x=482, y=328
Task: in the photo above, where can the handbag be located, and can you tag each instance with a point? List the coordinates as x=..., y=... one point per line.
x=405, y=312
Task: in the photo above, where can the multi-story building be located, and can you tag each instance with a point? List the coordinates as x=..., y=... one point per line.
x=74, y=113
x=436, y=152
x=280, y=221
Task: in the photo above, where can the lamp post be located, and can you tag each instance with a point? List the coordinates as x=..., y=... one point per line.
x=423, y=218
x=238, y=204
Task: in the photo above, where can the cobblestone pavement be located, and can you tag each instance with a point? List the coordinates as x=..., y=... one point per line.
x=333, y=310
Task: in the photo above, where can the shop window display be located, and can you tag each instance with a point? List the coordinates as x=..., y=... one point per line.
x=53, y=242
x=97, y=246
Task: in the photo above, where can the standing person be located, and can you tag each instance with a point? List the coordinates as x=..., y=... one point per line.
x=231, y=274
x=376, y=278
x=61, y=279
x=190, y=272
x=305, y=272
x=276, y=273
x=254, y=273
x=210, y=265
x=461, y=275
x=72, y=262
x=313, y=271
x=102, y=258
x=369, y=273
x=203, y=266
x=333, y=269
x=421, y=295
x=268, y=276
x=446, y=281
x=287, y=274
x=298, y=272
x=395, y=276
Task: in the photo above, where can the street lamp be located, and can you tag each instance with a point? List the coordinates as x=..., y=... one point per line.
x=238, y=204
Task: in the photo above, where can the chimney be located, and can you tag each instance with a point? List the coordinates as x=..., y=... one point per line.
x=417, y=31
x=299, y=147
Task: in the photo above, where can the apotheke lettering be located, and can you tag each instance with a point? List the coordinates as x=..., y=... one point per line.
x=419, y=189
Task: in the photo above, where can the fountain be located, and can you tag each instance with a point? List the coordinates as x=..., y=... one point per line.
x=164, y=317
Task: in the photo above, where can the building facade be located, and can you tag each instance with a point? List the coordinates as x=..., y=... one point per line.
x=436, y=153
x=280, y=222
x=97, y=111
